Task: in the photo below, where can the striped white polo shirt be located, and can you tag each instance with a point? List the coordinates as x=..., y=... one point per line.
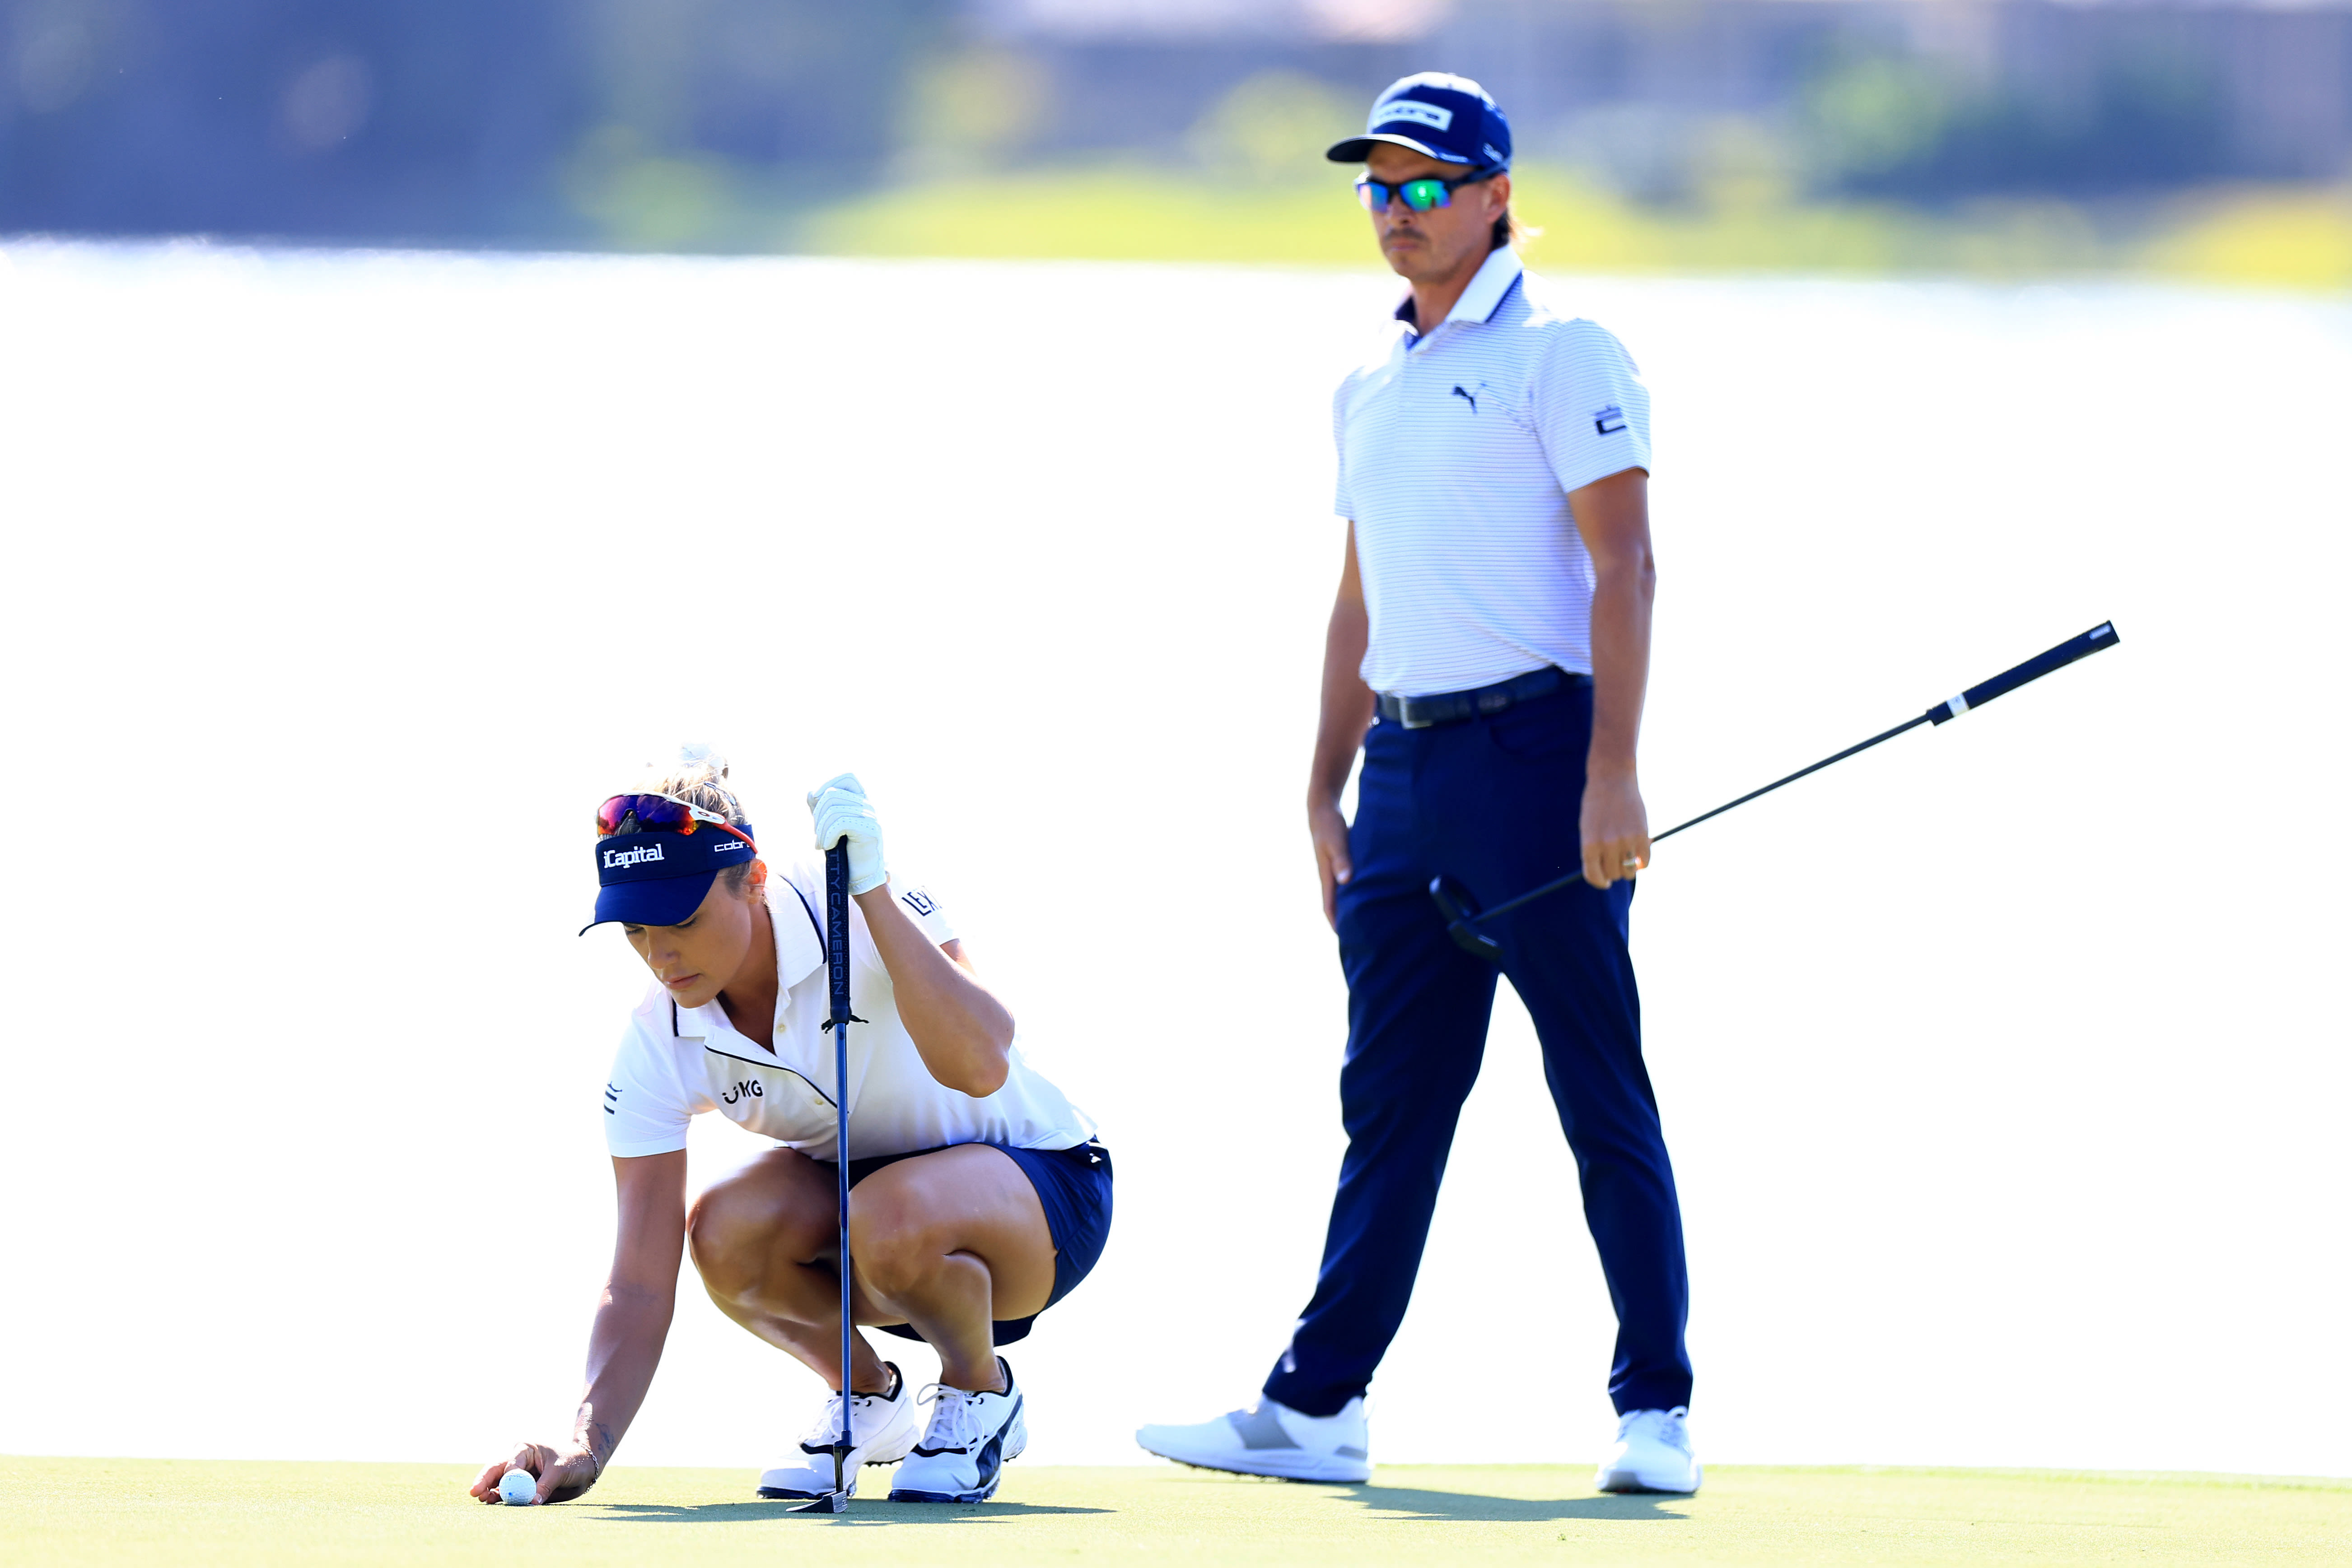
x=1456, y=455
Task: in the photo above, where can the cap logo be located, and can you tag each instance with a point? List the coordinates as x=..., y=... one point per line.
x=615, y=859
x=728, y=846
x=1413, y=109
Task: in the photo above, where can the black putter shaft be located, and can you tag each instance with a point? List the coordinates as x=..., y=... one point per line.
x=836, y=958
x=2098, y=637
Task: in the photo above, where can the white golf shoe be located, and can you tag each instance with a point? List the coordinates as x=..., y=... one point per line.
x=1272, y=1440
x=883, y=1429
x=971, y=1437
x=1652, y=1453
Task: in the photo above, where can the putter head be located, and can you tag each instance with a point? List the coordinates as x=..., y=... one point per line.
x=837, y=1500
x=1454, y=902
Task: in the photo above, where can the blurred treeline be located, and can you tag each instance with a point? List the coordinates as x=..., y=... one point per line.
x=461, y=121
x=2009, y=134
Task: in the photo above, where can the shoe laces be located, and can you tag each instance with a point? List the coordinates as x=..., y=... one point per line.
x=1661, y=1425
x=827, y=1425
x=823, y=1432
x=954, y=1427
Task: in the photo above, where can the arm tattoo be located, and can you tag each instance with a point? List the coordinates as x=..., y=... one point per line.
x=596, y=1435
x=599, y=1440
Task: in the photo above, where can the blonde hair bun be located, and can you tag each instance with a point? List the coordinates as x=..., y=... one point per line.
x=699, y=774
x=697, y=777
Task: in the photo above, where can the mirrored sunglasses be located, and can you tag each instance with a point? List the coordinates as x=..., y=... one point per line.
x=666, y=812
x=1420, y=195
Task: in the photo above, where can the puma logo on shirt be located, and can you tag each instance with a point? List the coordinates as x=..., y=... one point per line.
x=1468, y=398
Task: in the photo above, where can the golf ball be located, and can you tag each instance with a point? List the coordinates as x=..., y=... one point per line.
x=518, y=1486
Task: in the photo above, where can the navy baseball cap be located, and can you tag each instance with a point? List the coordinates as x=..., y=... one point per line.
x=1448, y=118
x=658, y=879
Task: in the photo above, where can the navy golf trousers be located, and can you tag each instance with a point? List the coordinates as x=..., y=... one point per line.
x=1491, y=802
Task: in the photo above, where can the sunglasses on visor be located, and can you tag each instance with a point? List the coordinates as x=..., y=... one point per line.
x=1419, y=195
x=663, y=812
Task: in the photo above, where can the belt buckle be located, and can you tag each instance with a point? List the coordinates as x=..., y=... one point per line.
x=1412, y=715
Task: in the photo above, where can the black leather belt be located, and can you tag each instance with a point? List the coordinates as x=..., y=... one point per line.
x=1453, y=707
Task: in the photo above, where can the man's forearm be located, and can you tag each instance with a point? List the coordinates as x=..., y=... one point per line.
x=1621, y=666
x=1346, y=710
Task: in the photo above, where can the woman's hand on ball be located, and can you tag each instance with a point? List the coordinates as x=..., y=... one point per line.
x=564, y=1472
x=843, y=811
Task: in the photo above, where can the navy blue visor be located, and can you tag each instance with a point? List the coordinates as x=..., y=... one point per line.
x=660, y=879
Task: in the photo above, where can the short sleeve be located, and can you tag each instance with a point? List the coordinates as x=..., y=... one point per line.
x=645, y=1109
x=1591, y=410
x=1342, y=502
x=919, y=906
x=925, y=911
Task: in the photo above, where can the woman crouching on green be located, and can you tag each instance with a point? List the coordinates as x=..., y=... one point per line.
x=981, y=1197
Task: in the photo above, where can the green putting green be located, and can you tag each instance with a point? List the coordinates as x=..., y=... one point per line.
x=184, y=1512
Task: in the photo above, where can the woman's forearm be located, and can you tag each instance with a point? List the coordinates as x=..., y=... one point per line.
x=624, y=1347
x=964, y=1033
x=632, y=1314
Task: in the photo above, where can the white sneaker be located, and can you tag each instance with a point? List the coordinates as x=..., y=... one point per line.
x=1652, y=1453
x=883, y=1429
x=972, y=1436
x=1272, y=1440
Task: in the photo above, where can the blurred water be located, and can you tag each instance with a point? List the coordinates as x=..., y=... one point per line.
x=2002, y=1068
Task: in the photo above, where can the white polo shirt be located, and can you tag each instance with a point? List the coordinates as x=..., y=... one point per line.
x=676, y=1062
x=1458, y=450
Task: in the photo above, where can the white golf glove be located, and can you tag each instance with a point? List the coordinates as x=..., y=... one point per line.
x=842, y=811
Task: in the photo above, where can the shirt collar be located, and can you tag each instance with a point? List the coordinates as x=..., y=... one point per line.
x=1493, y=280
x=800, y=949
x=800, y=952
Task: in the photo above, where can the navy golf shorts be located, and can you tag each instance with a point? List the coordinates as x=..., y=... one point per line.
x=1073, y=1187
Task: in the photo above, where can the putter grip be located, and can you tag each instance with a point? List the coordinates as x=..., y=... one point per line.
x=2098, y=637
x=836, y=932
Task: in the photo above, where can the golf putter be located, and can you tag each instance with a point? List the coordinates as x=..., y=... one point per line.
x=1461, y=912
x=836, y=958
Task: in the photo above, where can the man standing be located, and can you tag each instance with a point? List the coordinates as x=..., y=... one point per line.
x=1492, y=635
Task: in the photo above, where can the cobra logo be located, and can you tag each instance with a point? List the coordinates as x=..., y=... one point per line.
x=1412, y=109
